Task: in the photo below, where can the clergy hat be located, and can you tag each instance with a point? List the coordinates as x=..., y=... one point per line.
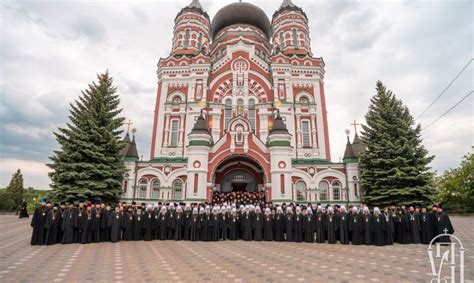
x=62, y=203
x=56, y=204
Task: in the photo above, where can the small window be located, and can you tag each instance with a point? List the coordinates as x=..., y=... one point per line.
x=227, y=112
x=142, y=188
x=177, y=188
x=336, y=191
x=186, y=38
x=323, y=190
x=174, y=132
x=240, y=106
x=304, y=101
x=305, y=133
x=295, y=38
x=282, y=40
x=252, y=114
x=156, y=189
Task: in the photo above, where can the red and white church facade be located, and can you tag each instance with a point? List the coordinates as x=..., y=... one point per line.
x=240, y=105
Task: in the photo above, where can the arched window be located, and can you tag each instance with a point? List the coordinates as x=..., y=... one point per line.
x=177, y=188
x=186, y=38
x=142, y=186
x=227, y=112
x=155, y=190
x=239, y=179
x=336, y=190
x=199, y=42
x=295, y=38
x=252, y=113
x=174, y=133
x=282, y=40
x=304, y=101
x=305, y=133
x=323, y=190
x=240, y=107
x=300, y=191
x=176, y=100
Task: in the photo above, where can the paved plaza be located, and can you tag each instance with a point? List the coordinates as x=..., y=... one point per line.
x=224, y=261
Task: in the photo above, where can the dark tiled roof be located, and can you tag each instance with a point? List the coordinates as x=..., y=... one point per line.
x=195, y=6
x=348, y=153
x=357, y=145
x=287, y=5
x=132, y=149
x=200, y=127
x=279, y=126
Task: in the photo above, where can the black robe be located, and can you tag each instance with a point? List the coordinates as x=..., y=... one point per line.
x=188, y=217
x=115, y=225
x=127, y=226
x=205, y=228
x=331, y=225
x=96, y=225
x=178, y=226
x=389, y=229
x=171, y=222
x=268, y=228
x=356, y=226
x=162, y=225
x=377, y=228
x=343, y=219
x=257, y=227
x=367, y=232
x=443, y=223
x=320, y=227
x=68, y=224
x=194, y=227
x=138, y=225
x=78, y=229
x=289, y=227
x=394, y=218
x=234, y=227
x=23, y=209
x=52, y=227
x=308, y=228
x=215, y=227
x=298, y=228
x=427, y=227
x=405, y=228
x=39, y=219
x=86, y=227
x=415, y=227
x=246, y=226
x=279, y=227
x=104, y=226
x=224, y=225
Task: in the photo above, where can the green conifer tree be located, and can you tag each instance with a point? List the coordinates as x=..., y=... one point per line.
x=88, y=164
x=394, y=164
x=15, y=188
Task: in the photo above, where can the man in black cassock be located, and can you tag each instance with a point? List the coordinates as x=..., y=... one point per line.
x=194, y=225
x=86, y=225
x=415, y=226
x=52, y=225
x=367, y=232
x=115, y=225
x=178, y=224
x=80, y=218
x=23, y=209
x=279, y=225
x=406, y=227
x=68, y=224
x=289, y=224
x=257, y=225
x=127, y=224
x=171, y=221
x=388, y=233
x=162, y=224
x=394, y=216
x=443, y=225
x=224, y=222
x=215, y=224
x=268, y=225
x=298, y=226
x=205, y=224
x=331, y=225
x=104, y=223
x=188, y=217
x=377, y=228
x=37, y=223
x=96, y=223
x=234, y=225
x=308, y=225
x=320, y=225
x=356, y=226
x=246, y=224
x=426, y=226
x=343, y=220
x=138, y=224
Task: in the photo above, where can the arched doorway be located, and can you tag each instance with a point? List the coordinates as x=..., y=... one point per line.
x=239, y=173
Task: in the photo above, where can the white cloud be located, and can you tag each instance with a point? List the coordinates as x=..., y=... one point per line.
x=48, y=55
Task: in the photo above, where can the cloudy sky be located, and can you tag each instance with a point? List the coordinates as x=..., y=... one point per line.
x=50, y=50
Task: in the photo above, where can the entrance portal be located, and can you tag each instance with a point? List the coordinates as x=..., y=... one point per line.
x=239, y=173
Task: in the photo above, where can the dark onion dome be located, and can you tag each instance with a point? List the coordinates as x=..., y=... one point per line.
x=200, y=127
x=348, y=153
x=287, y=5
x=279, y=126
x=196, y=7
x=132, y=149
x=357, y=145
x=241, y=13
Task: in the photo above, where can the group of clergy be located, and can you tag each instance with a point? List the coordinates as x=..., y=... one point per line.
x=89, y=223
x=241, y=197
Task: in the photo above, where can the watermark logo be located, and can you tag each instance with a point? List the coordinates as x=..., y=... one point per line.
x=445, y=256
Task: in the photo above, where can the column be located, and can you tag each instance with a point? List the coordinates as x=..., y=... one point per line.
x=181, y=130
x=313, y=130
x=167, y=129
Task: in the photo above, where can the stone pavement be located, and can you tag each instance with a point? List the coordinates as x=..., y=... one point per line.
x=224, y=261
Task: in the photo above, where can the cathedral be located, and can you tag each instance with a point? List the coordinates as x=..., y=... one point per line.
x=240, y=106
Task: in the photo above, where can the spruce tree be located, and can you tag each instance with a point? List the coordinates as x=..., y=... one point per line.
x=15, y=188
x=394, y=164
x=88, y=164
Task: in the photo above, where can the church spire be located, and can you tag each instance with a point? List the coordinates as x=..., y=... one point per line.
x=287, y=3
x=348, y=153
x=195, y=4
